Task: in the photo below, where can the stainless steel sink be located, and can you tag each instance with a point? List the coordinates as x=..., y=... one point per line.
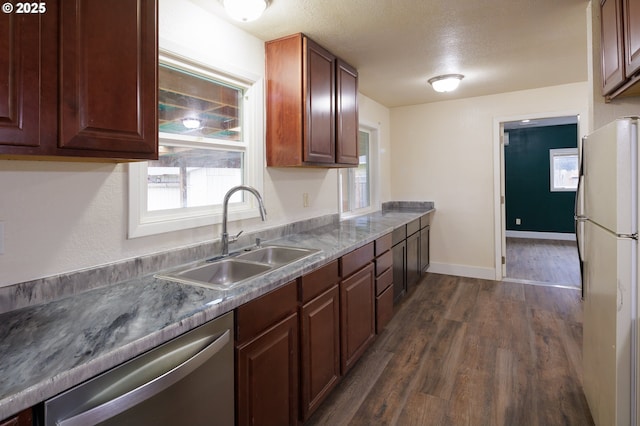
x=226, y=273
x=276, y=255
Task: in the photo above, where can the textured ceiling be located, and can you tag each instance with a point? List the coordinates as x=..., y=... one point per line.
x=397, y=45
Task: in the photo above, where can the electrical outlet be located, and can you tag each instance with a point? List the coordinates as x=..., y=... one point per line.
x=305, y=200
x=518, y=221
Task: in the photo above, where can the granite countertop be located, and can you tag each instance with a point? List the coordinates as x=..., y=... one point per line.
x=48, y=348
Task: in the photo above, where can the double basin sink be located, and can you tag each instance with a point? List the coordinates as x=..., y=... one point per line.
x=228, y=272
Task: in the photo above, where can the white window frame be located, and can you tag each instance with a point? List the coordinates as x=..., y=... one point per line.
x=559, y=152
x=143, y=222
x=374, y=174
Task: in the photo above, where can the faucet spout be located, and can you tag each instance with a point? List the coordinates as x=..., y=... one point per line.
x=225, y=209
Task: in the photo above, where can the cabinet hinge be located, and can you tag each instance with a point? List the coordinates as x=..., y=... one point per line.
x=502, y=199
x=504, y=260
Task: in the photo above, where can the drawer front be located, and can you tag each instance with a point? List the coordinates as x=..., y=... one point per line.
x=399, y=234
x=351, y=262
x=425, y=220
x=384, y=309
x=384, y=281
x=413, y=226
x=257, y=315
x=383, y=262
x=318, y=281
x=383, y=244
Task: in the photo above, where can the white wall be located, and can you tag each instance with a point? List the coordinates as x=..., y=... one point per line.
x=62, y=216
x=446, y=152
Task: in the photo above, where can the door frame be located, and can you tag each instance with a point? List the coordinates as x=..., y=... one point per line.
x=500, y=239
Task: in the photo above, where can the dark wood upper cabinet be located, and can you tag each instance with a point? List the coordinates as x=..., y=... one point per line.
x=347, y=114
x=611, y=41
x=312, y=113
x=27, y=51
x=620, y=47
x=631, y=14
x=80, y=80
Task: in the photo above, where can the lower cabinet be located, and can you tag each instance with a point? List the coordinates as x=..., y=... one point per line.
x=267, y=374
x=319, y=336
x=399, y=251
x=295, y=343
x=357, y=315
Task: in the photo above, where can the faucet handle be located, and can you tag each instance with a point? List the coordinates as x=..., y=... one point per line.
x=234, y=238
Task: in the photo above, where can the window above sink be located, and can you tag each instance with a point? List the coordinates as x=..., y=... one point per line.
x=211, y=139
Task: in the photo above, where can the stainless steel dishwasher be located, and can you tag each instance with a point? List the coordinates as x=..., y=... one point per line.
x=188, y=380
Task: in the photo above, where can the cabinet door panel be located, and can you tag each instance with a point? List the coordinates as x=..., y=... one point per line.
x=108, y=76
x=399, y=270
x=320, y=349
x=26, y=103
x=347, y=114
x=413, y=259
x=357, y=315
x=267, y=376
x=319, y=126
x=612, y=57
x=632, y=36
x=424, y=249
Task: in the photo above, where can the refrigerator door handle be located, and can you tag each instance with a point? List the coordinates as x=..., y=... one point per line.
x=578, y=217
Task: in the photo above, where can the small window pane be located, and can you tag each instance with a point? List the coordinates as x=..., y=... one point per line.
x=564, y=169
x=356, y=181
x=194, y=105
x=191, y=177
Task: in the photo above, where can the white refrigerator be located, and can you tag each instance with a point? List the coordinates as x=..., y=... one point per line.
x=607, y=233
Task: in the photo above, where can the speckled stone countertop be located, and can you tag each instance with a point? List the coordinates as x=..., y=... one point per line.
x=50, y=347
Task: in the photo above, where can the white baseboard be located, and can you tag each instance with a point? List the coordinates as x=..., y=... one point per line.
x=541, y=235
x=462, y=270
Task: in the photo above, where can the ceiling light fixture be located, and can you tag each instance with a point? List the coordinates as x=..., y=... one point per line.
x=446, y=83
x=245, y=10
x=191, y=123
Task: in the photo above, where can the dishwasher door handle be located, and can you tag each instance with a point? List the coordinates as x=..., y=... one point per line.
x=129, y=399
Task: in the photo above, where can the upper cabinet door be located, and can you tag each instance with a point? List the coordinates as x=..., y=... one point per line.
x=632, y=36
x=319, y=124
x=613, y=74
x=347, y=114
x=26, y=103
x=108, y=77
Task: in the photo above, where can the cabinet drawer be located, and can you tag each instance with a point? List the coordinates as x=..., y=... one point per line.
x=413, y=226
x=383, y=262
x=351, y=262
x=425, y=220
x=383, y=244
x=318, y=281
x=259, y=314
x=399, y=234
x=383, y=281
x=384, y=309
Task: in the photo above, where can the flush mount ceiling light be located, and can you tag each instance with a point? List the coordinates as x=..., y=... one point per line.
x=446, y=83
x=245, y=10
x=191, y=123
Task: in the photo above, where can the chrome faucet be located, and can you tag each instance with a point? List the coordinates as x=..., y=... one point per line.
x=225, y=236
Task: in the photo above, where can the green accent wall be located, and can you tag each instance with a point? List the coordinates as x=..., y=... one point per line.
x=527, y=193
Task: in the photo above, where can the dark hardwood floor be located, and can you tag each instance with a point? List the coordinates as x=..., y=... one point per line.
x=543, y=261
x=462, y=351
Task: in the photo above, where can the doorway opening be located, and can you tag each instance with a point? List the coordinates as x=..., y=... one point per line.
x=539, y=172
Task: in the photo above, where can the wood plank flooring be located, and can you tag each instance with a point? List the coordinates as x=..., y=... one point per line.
x=462, y=351
x=543, y=261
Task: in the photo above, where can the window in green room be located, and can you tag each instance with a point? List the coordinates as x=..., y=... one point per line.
x=563, y=166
